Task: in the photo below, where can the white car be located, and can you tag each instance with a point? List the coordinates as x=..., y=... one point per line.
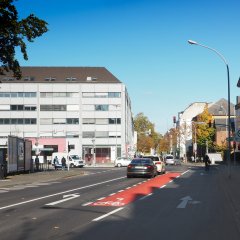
x=158, y=162
x=169, y=160
x=122, y=162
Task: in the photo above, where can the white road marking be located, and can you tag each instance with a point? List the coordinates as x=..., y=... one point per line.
x=65, y=198
x=184, y=202
x=108, y=214
x=86, y=204
x=60, y=193
x=163, y=186
x=142, y=198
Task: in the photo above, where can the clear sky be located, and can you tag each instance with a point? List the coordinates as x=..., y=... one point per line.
x=144, y=44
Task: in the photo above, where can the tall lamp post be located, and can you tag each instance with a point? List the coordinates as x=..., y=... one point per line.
x=228, y=84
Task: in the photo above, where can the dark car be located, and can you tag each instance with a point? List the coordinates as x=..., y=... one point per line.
x=141, y=167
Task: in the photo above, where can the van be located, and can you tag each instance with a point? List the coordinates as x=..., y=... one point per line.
x=74, y=159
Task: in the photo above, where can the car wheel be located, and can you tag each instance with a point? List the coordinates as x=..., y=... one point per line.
x=119, y=165
x=128, y=176
x=71, y=165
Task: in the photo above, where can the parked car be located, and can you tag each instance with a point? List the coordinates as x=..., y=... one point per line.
x=73, y=160
x=169, y=160
x=158, y=162
x=143, y=167
x=122, y=161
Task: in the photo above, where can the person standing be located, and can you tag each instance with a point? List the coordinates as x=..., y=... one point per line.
x=37, y=163
x=55, y=162
x=63, y=163
x=207, y=162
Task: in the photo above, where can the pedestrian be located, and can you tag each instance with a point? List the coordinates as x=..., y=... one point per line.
x=55, y=162
x=207, y=162
x=63, y=163
x=37, y=163
x=192, y=158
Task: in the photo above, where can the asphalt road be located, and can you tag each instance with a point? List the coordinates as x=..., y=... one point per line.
x=182, y=204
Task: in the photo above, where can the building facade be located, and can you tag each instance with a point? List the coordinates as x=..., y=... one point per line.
x=85, y=108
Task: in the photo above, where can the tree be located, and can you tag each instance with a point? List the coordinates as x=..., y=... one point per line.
x=14, y=33
x=205, y=133
x=146, y=141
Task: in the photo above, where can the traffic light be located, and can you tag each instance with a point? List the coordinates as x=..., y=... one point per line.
x=174, y=119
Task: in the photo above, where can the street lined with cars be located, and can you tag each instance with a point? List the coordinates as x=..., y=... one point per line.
x=103, y=202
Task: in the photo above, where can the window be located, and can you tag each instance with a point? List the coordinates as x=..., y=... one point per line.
x=88, y=134
x=88, y=121
x=59, y=121
x=114, y=94
x=72, y=107
x=101, y=95
x=72, y=121
x=46, y=121
x=87, y=94
x=102, y=121
x=88, y=107
x=19, y=121
x=101, y=134
x=113, y=120
x=4, y=107
x=53, y=108
x=101, y=107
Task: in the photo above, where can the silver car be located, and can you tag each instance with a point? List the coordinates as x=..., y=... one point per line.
x=122, y=161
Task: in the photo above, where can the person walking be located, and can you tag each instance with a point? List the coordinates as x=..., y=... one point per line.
x=55, y=162
x=37, y=163
x=63, y=163
x=207, y=162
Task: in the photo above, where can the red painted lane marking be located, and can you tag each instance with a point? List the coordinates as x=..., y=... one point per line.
x=129, y=195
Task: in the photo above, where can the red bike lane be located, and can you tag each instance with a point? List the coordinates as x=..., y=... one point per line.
x=127, y=196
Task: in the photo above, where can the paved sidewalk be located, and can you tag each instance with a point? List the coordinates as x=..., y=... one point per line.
x=47, y=175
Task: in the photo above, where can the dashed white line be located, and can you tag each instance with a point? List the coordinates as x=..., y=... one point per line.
x=108, y=214
x=86, y=204
x=163, y=186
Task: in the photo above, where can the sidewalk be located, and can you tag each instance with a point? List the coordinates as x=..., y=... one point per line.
x=48, y=175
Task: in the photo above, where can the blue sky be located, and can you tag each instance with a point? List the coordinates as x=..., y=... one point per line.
x=144, y=44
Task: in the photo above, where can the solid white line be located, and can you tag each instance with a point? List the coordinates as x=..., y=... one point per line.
x=163, y=186
x=112, y=194
x=146, y=196
x=120, y=190
x=100, y=198
x=185, y=172
x=60, y=193
x=171, y=181
x=108, y=214
x=86, y=204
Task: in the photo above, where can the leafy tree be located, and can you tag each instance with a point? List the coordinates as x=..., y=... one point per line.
x=205, y=133
x=14, y=33
x=145, y=141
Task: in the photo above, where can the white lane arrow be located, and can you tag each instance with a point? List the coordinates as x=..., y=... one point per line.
x=184, y=202
x=65, y=198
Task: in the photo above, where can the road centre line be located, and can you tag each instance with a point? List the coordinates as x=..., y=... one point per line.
x=108, y=214
x=60, y=193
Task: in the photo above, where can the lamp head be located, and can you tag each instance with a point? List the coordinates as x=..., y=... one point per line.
x=192, y=42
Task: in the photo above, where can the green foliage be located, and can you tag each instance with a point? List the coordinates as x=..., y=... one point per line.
x=205, y=134
x=145, y=142
x=14, y=33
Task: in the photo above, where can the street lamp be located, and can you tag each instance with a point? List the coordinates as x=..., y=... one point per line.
x=228, y=84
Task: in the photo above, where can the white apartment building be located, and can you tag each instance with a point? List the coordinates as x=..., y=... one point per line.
x=87, y=108
x=185, y=126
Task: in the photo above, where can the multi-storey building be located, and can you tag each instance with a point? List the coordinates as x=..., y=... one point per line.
x=86, y=108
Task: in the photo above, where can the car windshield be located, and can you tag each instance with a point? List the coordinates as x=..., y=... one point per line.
x=169, y=157
x=141, y=161
x=154, y=158
x=75, y=157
